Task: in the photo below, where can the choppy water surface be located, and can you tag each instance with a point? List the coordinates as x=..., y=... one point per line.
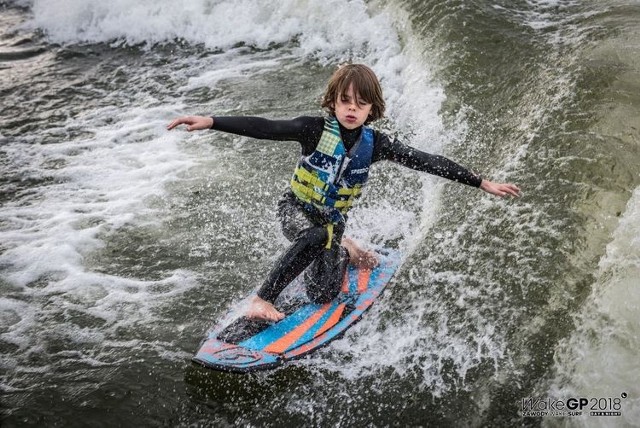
x=121, y=243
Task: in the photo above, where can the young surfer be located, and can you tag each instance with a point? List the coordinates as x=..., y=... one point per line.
x=336, y=154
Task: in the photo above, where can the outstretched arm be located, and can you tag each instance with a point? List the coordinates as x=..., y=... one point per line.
x=438, y=165
x=306, y=130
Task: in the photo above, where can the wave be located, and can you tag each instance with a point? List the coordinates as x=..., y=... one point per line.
x=216, y=24
x=600, y=356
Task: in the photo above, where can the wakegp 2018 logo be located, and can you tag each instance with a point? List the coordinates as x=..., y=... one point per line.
x=574, y=406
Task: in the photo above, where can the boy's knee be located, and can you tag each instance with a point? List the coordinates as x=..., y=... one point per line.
x=316, y=235
x=324, y=277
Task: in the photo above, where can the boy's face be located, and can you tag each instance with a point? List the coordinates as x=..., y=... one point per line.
x=351, y=110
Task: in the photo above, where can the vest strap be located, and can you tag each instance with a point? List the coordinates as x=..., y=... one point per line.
x=329, y=227
x=311, y=195
x=305, y=176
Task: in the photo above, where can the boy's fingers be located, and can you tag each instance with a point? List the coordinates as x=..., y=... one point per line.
x=513, y=190
x=173, y=124
x=194, y=123
x=178, y=121
x=503, y=190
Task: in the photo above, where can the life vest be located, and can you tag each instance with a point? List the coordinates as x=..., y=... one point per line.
x=330, y=179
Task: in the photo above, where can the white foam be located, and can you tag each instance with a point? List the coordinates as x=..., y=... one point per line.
x=19, y=316
x=221, y=24
x=102, y=187
x=104, y=183
x=231, y=67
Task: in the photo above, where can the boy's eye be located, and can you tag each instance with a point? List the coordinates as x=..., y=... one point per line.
x=360, y=102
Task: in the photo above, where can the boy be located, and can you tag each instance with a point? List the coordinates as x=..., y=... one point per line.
x=337, y=152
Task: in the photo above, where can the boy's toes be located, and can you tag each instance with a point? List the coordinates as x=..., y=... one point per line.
x=263, y=310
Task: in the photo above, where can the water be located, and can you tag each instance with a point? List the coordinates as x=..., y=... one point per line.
x=121, y=243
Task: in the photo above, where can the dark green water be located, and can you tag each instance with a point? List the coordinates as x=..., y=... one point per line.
x=121, y=243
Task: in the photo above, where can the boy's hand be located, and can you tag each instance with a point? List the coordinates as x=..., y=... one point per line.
x=500, y=189
x=194, y=123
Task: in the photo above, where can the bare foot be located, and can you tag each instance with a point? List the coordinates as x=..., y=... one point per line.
x=358, y=256
x=263, y=310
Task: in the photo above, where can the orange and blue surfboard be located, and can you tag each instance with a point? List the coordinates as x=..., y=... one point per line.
x=247, y=345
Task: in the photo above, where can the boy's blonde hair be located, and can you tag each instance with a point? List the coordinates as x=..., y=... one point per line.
x=365, y=85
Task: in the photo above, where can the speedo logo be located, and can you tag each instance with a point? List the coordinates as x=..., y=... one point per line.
x=360, y=170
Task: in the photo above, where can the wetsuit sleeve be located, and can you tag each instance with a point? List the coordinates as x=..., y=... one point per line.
x=306, y=130
x=416, y=159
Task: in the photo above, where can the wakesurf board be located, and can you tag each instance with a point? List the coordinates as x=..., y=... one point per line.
x=244, y=345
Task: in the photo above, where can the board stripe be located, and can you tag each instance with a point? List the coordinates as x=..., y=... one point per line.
x=331, y=316
x=363, y=280
x=352, y=280
x=326, y=336
x=333, y=320
x=280, y=345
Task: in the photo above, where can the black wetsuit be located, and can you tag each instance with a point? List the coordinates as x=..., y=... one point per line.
x=304, y=229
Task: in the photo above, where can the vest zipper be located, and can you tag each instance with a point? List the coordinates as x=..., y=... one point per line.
x=345, y=161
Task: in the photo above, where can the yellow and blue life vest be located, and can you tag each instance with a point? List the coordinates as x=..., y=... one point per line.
x=331, y=179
